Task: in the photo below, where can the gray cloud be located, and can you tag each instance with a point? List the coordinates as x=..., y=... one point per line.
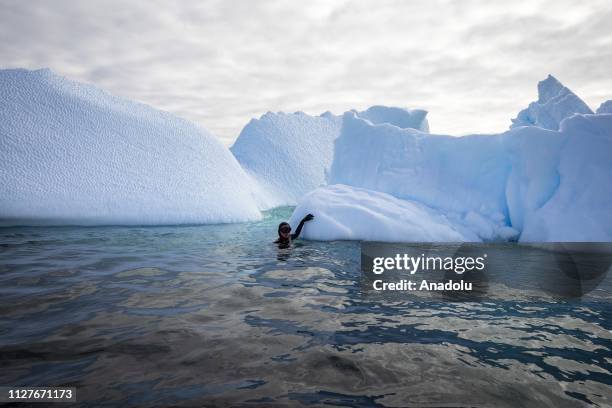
x=473, y=64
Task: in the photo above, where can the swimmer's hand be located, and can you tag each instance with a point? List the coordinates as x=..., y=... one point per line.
x=309, y=217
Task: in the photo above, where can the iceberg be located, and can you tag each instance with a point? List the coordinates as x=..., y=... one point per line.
x=288, y=155
x=462, y=180
x=558, y=185
x=555, y=103
x=605, y=107
x=73, y=154
x=529, y=183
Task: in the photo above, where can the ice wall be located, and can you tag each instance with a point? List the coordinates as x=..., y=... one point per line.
x=533, y=176
x=73, y=154
x=457, y=174
x=580, y=208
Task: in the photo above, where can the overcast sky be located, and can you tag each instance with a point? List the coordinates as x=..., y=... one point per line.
x=472, y=64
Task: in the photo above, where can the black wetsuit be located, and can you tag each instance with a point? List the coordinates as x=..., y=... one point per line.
x=297, y=232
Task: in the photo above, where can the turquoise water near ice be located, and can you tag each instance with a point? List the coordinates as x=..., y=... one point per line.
x=217, y=315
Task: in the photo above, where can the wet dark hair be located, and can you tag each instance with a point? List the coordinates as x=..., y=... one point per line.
x=281, y=225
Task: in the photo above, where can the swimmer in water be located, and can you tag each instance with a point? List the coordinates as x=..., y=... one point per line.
x=284, y=231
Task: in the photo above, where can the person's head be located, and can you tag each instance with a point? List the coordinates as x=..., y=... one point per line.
x=284, y=230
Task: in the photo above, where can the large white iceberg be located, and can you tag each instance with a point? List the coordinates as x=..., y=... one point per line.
x=555, y=103
x=528, y=183
x=288, y=155
x=73, y=154
x=463, y=178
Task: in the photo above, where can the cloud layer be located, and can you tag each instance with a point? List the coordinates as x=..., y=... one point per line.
x=473, y=64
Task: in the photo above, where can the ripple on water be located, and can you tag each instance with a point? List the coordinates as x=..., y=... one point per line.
x=218, y=315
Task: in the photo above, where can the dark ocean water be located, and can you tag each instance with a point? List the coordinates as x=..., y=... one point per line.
x=219, y=316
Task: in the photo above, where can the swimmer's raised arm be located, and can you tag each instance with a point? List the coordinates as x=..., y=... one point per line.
x=301, y=225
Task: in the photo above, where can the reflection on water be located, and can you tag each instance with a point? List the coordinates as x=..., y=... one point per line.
x=219, y=315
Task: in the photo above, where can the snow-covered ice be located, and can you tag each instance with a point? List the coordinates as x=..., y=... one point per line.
x=529, y=183
x=451, y=174
x=73, y=154
x=533, y=177
x=344, y=212
x=402, y=118
x=289, y=154
x=605, y=107
x=555, y=103
x=580, y=209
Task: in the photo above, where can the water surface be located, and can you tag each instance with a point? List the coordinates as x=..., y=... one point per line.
x=219, y=316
